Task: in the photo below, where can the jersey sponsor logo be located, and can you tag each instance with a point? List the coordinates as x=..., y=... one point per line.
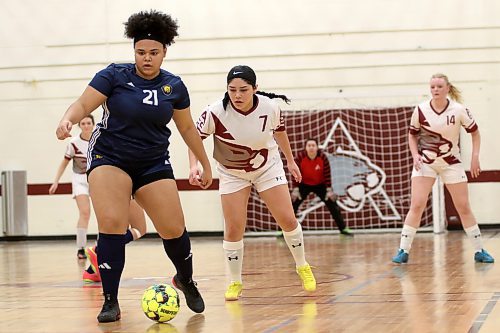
x=355, y=178
x=97, y=156
x=166, y=89
x=130, y=84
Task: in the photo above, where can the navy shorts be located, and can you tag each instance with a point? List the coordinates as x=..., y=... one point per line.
x=141, y=172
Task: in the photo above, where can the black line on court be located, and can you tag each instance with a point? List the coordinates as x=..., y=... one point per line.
x=481, y=318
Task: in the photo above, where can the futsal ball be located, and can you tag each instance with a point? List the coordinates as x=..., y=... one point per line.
x=160, y=303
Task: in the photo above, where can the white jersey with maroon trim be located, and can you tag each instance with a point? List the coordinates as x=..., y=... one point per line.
x=243, y=141
x=77, y=151
x=439, y=133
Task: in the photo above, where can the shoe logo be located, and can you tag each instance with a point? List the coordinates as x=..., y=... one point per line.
x=236, y=73
x=104, y=265
x=189, y=256
x=232, y=258
x=279, y=178
x=298, y=245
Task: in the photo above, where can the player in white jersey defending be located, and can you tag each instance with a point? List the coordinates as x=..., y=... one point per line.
x=77, y=151
x=248, y=129
x=433, y=139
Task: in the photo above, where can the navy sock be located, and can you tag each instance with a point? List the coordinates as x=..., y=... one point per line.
x=111, y=259
x=179, y=251
x=128, y=236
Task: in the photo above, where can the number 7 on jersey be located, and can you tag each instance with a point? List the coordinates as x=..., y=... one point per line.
x=264, y=122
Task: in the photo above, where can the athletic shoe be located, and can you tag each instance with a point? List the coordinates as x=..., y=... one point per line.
x=347, y=232
x=91, y=277
x=92, y=255
x=307, y=277
x=233, y=291
x=81, y=254
x=483, y=256
x=193, y=298
x=110, y=310
x=401, y=257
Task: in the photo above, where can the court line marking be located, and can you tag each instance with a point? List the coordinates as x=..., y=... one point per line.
x=481, y=318
x=334, y=299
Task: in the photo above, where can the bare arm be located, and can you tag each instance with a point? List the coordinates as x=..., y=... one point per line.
x=413, y=143
x=60, y=171
x=284, y=144
x=82, y=107
x=185, y=125
x=475, y=168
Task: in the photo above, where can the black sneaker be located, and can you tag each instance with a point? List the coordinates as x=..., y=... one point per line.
x=81, y=254
x=193, y=298
x=110, y=310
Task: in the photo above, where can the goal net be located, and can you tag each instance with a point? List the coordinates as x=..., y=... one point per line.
x=371, y=168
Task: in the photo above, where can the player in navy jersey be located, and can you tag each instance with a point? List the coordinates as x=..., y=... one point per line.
x=316, y=178
x=128, y=154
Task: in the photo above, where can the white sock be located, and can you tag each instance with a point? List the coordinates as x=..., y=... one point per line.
x=474, y=235
x=295, y=241
x=234, y=257
x=81, y=237
x=407, y=235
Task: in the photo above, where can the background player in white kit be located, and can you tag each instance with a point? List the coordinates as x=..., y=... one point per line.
x=77, y=151
x=248, y=129
x=433, y=139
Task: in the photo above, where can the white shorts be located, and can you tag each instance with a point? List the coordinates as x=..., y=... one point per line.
x=231, y=181
x=80, y=184
x=450, y=174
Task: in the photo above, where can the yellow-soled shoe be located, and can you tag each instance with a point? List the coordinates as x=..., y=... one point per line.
x=307, y=277
x=233, y=292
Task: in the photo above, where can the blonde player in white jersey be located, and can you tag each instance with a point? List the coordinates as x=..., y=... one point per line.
x=77, y=151
x=433, y=139
x=248, y=129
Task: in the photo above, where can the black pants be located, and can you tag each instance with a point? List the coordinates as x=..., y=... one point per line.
x=320, y=191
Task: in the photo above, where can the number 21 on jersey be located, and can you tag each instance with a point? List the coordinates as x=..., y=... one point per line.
x=450, y=119
x=151, y=97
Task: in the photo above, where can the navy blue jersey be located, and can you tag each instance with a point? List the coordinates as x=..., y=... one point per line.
x=136, y=113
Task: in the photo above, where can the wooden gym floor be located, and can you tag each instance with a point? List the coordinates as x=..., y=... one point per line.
x=359, y=289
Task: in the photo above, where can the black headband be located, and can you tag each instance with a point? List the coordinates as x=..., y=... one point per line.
x=242, y=72
x=149, y=35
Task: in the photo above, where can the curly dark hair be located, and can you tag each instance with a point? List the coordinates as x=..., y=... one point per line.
x=160, y=24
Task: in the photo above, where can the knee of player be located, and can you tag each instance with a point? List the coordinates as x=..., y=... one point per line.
x=234, y=230
x=85, y=214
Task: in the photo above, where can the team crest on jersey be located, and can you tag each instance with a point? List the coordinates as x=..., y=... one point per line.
x=167, y=89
